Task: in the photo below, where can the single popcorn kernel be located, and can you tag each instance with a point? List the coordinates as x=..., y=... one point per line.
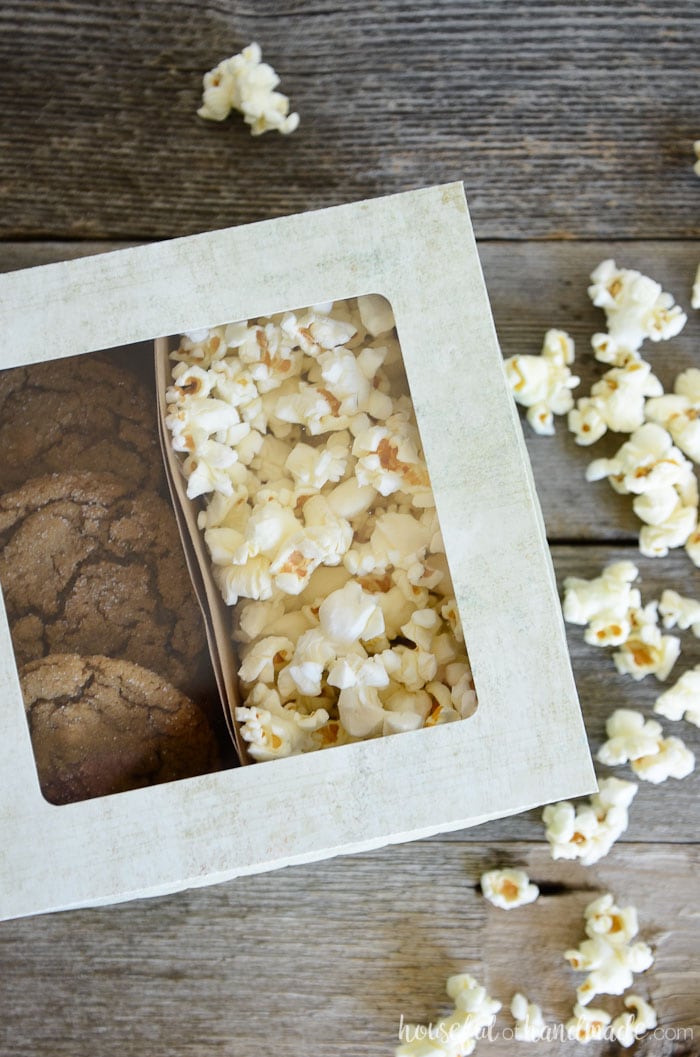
x=529, y=1022
x=629, y=1027
x=508, y=888
x=587, y=1025
x=543, y=383
x=588, y=831
x=247, y=84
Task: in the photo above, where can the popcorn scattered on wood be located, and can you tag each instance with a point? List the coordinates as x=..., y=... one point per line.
x=589, y=830
x=635, y=308
x=679, y=412
x=640, y=742
x=663, y=483
x=646, y=651
x=678, y=610
x=508, y=889
x=529, y=1022
x=616, y=402
x=247, y=84
x=587, y=1025
x=630, y=737
x=608, y=955
x=543, y=383
x=629, y=1027
x=673, y=759
x=682, y=700
x=456, y=1035
x=611, y=608
x=605, y=600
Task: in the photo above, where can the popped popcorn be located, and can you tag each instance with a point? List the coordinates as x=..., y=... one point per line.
x=679, y=412
x=672, y=759
x=682, y=700
x=629, y=1027
x=603, y=603
x=375, y=313
x=273, y=731
x=647, y=652
x=587, y=1025
x=695, y=293
x=350, y=614
x=543, y=383
x=388, y=459
x=508, y=888
x=652, y=757
x=634, y=305
x=455, y=1035
x=588, y=832
x=630, y=737
x=662, y=480
x=608, y=955
x=247, y=84
x=616, y=402
x=320, y=522
x=529, y=1022
x=603, y=917
x=678, y=529
x=646, y=462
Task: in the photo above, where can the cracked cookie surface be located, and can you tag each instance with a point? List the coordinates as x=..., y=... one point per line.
x=77, y=414
x=88, y=565
x=101, y=726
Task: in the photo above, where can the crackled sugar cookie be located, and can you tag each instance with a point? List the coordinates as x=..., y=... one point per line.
x=88, y=565
x=102, y=726
x=77, y=414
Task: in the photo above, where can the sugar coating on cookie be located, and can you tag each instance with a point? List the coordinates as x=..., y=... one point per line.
x=76, y=414
x=101, y=726
x=90, y=566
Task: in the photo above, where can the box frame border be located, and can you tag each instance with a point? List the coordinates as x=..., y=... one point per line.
x=526, y=744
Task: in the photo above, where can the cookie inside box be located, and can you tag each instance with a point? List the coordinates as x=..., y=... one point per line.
x=108, y=636
x=306, y=511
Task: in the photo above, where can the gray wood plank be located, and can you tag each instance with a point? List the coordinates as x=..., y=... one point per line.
x=324, y=959
x=564, y=120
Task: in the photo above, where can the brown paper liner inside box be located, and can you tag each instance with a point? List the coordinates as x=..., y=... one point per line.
x=217, y=617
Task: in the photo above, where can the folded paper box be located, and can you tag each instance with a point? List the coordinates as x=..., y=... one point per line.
x=524, y=746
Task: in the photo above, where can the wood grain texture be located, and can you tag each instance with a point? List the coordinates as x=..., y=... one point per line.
x=564, y=120
x=324, y=959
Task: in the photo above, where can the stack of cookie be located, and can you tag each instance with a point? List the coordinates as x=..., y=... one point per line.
x=106, y=630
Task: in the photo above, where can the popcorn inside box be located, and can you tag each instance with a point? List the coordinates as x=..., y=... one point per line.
x=305, y=505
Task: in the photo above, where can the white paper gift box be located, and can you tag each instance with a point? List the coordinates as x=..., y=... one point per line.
x=524, y=746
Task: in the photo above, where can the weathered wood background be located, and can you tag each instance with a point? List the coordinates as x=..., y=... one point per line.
x=572, y=126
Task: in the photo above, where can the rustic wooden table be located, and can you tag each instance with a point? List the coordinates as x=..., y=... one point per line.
x=572, y=127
